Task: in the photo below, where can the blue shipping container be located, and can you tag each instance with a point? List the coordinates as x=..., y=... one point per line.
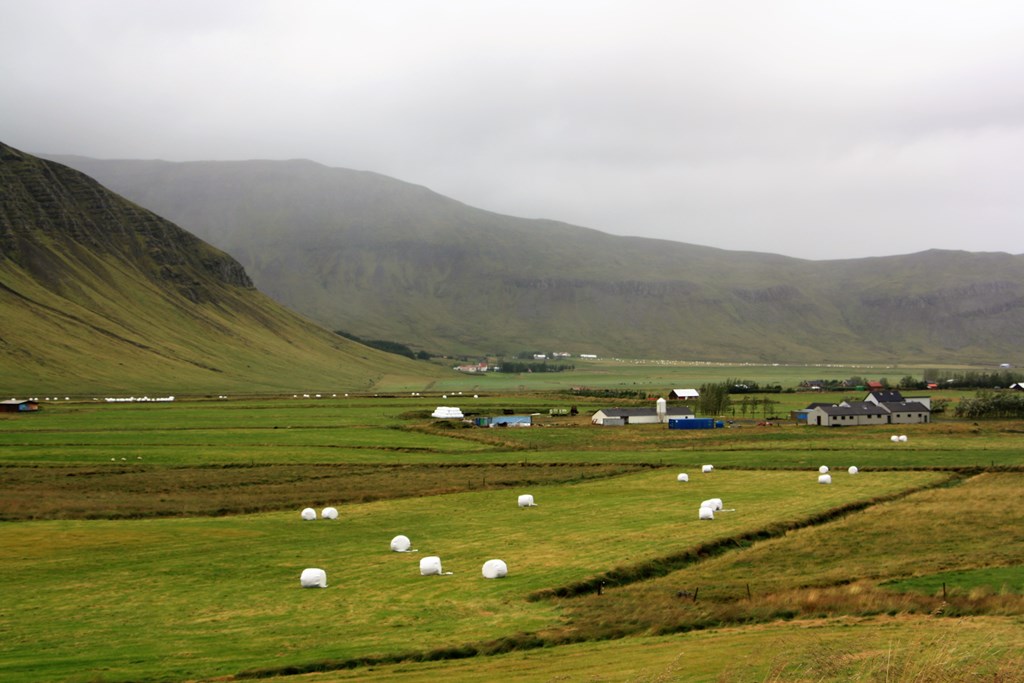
x=691, y=423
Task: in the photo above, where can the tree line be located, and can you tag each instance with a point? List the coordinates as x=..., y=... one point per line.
x=716, y=400
x=516, y=367
x=994, y=404
x=971, y=379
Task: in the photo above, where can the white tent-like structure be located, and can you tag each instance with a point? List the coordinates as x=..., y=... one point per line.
x=824, y=478
x=707, y=468
x=705, y=513
x=308, y=514
x=313, y=578
x=853, y=469
x=430, y=566
x=329, y=513
x=683, y=476
x=445, y=412
x=823, y=469
x=526, y=501
x=495, y=569
x=401, y=544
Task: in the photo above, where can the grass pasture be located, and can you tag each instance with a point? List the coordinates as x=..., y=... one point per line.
x=184, y=565
x=210, y=587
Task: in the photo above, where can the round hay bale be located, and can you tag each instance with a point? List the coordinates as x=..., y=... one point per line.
x=430, y=566
x=903, y=438
x=705, y=513
x=716, y=504
x=853, y=469
x=683, y=476
x=308, y=514
x=824, y=478
x=823, y=469
x=329, y=513
x=495, y=569
x=526, y=501
x=400, y=543
x=707, y=468
x=313, y=578
x=894, y=438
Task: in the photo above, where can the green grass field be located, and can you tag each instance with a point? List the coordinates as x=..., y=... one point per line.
x=163, y=542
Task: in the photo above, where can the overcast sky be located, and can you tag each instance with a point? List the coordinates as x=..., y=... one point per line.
x=809, y=128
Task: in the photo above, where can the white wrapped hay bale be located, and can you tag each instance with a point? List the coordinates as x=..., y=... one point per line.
x=853, y=469
x=329, y=513
x=713, y=503
x=894, y=438
x=313, y=578
x=705, y=513
x=683, y=476
x=308, y=514
x=495, y=569
x=903, y=438
x=401, y=544
x=526, y=501
x=430, y=566
x=823, y=469
x=707, y=468
x=824, y=478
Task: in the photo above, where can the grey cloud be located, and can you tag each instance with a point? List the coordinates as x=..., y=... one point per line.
x=763, y=126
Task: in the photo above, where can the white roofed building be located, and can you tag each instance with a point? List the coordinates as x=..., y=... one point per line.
x=684, y=394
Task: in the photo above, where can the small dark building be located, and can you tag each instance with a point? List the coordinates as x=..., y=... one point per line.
x=16, y=406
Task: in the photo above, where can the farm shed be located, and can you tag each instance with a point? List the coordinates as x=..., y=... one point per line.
x=632, y=416
x=15, y=406
x=886, y=397
x=504, y=421
x=874, y=410
x=684, y=394
x=907, y=412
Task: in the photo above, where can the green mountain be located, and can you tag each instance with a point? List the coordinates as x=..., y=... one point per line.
x=381, y=258
x=101, y=295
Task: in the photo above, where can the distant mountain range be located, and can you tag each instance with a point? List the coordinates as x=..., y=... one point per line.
x=99, y=294
x=384, y=259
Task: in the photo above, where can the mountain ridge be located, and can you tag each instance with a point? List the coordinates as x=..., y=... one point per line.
x=382, y=258
x=101, y=294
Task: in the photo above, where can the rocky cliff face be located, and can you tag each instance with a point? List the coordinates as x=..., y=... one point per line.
x=52, y=215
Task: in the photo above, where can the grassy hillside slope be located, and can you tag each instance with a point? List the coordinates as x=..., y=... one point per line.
x=101, y=295
x=387, y=259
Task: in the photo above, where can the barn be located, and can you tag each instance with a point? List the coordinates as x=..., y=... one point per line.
x=17, y=406
x=684, y=394
x=636, y=416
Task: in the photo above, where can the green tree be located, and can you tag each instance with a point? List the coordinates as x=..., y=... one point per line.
x=714, y=399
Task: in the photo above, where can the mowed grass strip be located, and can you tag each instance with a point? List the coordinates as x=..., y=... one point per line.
x=134, y=490
x=879, y=649
x=835, y=568
x=187, y=598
